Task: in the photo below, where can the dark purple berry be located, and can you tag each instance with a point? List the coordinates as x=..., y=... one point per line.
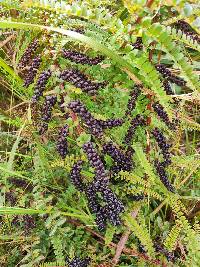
x=29, y=52
x=138, y=44
x=166, y=73
x=80, y=80
x=62, y=146
x=40, y=85
x=32, y=71
x=135, y=92
x=160, y=168
x=76, y=176
x=81, y=58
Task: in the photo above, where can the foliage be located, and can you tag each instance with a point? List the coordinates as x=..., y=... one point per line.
x=151, y=210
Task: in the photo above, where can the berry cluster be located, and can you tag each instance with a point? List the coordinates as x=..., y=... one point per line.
x=113, y=207
x=81, y=58
x=78, y=262
x=76, y=176
x=138, y=44
x=110, y=123
x=87, y=117
x=62, y=146
x=187, y=29
x=29, y=223
x=80, y=30
x=96, y=163
x=161, y=140
x=133, y=97
x=28, y=54
x=136, y=197
x=169, y=255
x=166, y=73
x=137, y=121
x=32, y=71
x=11, y=198
x=20, y=183
x=40, y=85
x=50, y=101
x=80, y=80
x=160, y=168
x=161, y=113
x=167, y=87
x=122, y=162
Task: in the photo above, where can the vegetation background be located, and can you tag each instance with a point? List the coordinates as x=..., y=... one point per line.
x=44, y=218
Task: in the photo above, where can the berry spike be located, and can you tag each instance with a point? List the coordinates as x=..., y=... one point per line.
x=96, y=163
x=137, y=121
x=62, y=146
x=50, y=101
x=167, y=87
x=80, y=80
x=110, y=123
x=81, y=58
x=87, y=117
x=138, y=44
x=166, y=73
x=133, y=97
x=40, y=85
x=76, y=176
x=162, y=143
x=160, y=168
x=25, y=59
x=161, y=113
x=32, y=71
x=90, y=192
x=122, y=161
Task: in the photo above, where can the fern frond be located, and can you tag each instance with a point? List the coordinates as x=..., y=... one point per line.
x=141, y=232
x=171, y=239
x=144, y=162
x=182, y=37
x=151, y=78
x=161, y=35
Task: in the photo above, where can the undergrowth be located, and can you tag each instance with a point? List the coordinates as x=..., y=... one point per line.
x=99, y=117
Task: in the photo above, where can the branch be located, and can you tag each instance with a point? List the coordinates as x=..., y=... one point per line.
x=122, y=241
x=127, y=251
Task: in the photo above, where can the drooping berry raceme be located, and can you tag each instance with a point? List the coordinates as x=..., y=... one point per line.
x=86, y=116
x=62, y=145
x=166, y=73
x=50, y=101
x=78, y=262
x=160, y=168
x=162, y=143
x=29, y=223
x=32, y=71
x=187, y=29
x=138, y=44
x=81, y=81
x=133, y=97
x=137, y=121
x=136, y=197
x=110, y=123
x=160, y=248
x=167, y=87
x=100, y=220
x=81, y=58
x=91, y=194
x=29, y=52
x=11, y=198
x=122, y=161
x=96, y=163
x=76, y=176
x=161, y=113
x=40, y=85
